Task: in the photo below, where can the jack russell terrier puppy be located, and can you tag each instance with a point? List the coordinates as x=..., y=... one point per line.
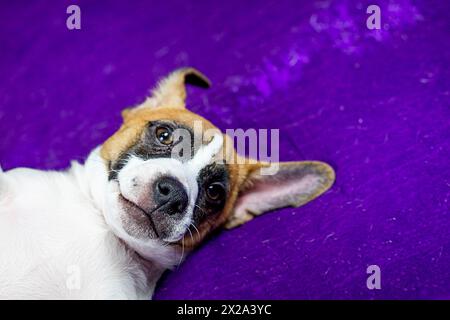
x=109, y=228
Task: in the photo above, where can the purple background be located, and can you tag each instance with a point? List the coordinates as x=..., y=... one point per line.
x=374, y=104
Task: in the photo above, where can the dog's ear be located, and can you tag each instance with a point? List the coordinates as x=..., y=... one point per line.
x=171, y=90
x=293, y=184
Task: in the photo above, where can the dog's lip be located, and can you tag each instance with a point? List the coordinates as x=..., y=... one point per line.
x=180, y=244
x=184, y=242
x=147, y=214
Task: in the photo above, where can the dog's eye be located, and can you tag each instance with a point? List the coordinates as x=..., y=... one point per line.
x=164, y=135
x=215, y=192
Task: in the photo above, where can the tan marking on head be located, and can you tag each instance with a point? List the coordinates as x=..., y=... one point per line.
x=166, y=102
x=135, y=122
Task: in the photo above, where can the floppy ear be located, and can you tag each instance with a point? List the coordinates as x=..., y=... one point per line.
x=171, y=91
x=294, y=184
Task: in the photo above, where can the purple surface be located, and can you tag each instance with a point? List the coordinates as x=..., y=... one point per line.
x=374, y=104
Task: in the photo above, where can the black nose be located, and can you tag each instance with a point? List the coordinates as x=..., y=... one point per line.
x=170, y=195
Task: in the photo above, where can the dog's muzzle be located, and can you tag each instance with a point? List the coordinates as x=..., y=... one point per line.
x=170, y=196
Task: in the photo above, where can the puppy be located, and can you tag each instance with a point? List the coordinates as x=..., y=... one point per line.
x=109, y=228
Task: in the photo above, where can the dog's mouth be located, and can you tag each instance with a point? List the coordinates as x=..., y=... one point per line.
x=144, y=218
x=140, y=215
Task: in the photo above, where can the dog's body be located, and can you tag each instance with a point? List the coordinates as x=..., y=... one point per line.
x=109, y=228
x=55, y=243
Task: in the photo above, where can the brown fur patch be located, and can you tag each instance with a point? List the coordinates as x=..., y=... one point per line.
x=135, y=121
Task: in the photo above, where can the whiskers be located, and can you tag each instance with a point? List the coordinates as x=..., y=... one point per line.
x=198, y=232
x=201, y=209
x=206, y=215
x=193, y=238
x=182, y=252
x=182, y=246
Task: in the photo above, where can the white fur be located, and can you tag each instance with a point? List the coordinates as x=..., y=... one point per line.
x=53, y=233
x=61, y=236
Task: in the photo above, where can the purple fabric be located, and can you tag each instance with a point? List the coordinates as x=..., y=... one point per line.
x=373, y=104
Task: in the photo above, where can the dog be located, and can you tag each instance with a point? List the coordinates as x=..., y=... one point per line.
x=108, y=228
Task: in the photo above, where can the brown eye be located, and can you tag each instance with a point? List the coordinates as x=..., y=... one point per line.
x=164, y=135
x=215, y=192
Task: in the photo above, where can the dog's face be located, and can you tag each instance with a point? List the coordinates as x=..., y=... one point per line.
x=174, y=177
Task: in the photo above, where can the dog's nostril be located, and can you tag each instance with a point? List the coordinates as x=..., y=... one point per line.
x=163, y=189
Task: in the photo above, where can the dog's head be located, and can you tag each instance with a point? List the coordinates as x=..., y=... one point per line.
x=174, y=177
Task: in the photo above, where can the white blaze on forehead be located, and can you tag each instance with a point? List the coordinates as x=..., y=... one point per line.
x=206, y=154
